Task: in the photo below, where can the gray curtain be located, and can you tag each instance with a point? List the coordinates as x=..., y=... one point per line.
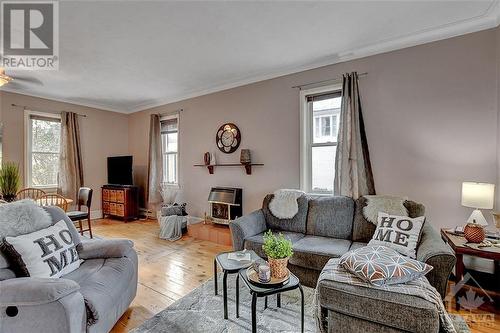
x=70, y=161
x=353, y=171
x=155, y=164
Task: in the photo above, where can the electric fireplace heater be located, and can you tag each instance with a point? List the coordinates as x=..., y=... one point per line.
x=225, y=204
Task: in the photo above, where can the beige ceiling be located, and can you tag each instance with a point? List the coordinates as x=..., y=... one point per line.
x=127, y=56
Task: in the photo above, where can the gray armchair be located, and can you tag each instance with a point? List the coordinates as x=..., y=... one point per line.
x=89, y=299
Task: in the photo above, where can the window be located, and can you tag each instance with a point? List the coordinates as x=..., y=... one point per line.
x=320, y=115
x=169, y=139
x=43, y=141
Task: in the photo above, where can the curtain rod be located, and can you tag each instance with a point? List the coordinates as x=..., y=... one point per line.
x=338, y=79
x=35, y=109
x=170, y=113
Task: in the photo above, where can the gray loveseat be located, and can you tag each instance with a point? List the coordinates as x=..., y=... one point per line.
x=328, y=227
x=89, y=299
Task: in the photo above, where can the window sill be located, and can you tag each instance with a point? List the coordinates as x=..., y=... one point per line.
x=49, y=189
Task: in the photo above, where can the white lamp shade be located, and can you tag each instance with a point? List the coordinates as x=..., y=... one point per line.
x=478, y=195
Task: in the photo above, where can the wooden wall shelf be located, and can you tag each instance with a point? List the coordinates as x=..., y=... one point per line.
x=248, y=167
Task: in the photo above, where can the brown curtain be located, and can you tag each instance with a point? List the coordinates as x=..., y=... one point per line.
x=353, y=171
x=155, y=164
x=70, y=161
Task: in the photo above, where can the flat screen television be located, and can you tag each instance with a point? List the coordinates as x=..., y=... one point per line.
x=120, y=170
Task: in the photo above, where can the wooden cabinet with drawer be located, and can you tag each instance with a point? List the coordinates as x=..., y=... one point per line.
x=120, y=202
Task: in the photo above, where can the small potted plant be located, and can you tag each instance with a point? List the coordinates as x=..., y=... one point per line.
x=278, y=250
x=9, y=181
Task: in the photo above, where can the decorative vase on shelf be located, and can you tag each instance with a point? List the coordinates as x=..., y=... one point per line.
x=206, y=158
x=245, y=157
x=474, y=232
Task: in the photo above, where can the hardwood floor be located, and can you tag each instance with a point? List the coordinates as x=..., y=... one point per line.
x=167, y=270
x=170, y=270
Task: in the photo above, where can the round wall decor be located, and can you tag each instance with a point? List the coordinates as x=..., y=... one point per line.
x=228, y=138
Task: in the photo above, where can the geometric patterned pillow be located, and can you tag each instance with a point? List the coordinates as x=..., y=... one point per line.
x=380, y=265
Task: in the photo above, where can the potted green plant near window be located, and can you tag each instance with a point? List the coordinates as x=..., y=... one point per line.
x=278, y=250
x=9, y=181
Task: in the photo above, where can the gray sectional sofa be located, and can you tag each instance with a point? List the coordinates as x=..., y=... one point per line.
x=89, y=299
x=327, y=227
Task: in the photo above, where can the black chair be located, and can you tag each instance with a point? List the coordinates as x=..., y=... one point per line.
x=84, y=199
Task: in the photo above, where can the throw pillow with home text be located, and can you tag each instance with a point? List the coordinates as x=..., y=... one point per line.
x=400, y=233
x=46, y=253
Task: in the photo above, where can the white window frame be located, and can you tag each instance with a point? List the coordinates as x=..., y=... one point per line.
x=306, y=135
x=28, y=147
x=177, y=173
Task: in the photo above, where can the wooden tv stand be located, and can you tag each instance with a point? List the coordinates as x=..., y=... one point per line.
x=120, y=201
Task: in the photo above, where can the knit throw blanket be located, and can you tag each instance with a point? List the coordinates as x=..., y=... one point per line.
x=383, y=203
x=284, y=204
x=419, y=287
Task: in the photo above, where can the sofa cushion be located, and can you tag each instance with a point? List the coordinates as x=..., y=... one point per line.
x=402, y=312
x=315, y=251
x=255, y=242
x=6, y=274
x=357, y=245
x=330, y=216
x=102, y=284
x=295, y=224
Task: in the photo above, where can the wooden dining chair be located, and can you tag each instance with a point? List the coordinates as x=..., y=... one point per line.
x=30, y=193
x=53, y=199
x=84, y=200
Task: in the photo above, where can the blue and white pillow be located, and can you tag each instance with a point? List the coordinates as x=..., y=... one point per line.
x=380, y=265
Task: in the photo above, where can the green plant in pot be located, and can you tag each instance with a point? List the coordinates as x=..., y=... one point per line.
x=278, y=250
x=9, y=181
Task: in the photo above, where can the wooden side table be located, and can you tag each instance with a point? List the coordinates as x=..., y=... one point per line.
x=460, y=246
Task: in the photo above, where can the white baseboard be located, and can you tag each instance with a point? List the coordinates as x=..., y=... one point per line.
x=95, y=214
x=194, y=219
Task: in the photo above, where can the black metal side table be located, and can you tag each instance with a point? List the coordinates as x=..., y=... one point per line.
x=230, y=266
x=255, y=291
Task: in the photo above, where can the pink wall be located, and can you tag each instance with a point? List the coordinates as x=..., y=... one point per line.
x=103, y=134
x=430, y=113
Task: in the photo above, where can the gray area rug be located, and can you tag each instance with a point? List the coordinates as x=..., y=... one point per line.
x=202, y=311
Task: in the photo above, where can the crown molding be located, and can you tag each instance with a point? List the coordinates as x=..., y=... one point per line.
x=489, y=19
x=102, y=107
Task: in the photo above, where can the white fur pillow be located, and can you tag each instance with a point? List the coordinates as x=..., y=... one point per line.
x=383, y=203
x=284, y=203
x=22, y=217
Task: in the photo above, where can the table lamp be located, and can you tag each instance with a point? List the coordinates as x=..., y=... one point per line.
x=478, y=196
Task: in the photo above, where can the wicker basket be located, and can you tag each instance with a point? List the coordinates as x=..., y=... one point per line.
x=278, y=267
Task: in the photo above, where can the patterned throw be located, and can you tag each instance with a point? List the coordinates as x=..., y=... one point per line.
x=380, y=265
x=419, y=287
